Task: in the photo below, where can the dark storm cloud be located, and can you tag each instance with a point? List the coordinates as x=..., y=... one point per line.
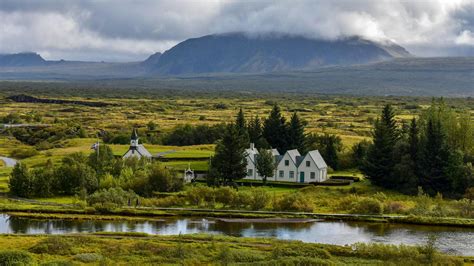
x=131, y=30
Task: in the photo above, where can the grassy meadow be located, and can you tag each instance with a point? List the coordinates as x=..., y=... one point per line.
x=142, y=249
x=350, y=118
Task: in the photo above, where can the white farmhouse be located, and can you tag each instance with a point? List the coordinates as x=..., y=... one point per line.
x=291, y=166
x=136, y=149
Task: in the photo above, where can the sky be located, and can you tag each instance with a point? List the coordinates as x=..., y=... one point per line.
x=131, y=30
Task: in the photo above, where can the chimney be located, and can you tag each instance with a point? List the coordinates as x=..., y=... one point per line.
x=252, y=146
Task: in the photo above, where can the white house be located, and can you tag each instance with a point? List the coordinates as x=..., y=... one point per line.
x=291, y=166
x=136, y=149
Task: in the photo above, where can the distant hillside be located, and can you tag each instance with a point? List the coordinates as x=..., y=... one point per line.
x=21, y=60
x=237, y=52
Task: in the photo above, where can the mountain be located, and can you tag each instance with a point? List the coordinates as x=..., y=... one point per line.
x=152, y=59
x=240, y=53
x=21, y=59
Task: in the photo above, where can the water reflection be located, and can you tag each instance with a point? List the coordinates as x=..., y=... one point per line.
x=458, y=240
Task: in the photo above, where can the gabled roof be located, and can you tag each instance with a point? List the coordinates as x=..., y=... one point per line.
x=251, y=152
x=143, y=151
x=318, y=159
x=293, y=154
x=274, y=152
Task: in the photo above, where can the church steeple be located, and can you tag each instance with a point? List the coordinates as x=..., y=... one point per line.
x=134, y=138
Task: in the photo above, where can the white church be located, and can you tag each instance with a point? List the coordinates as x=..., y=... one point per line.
x=136, y=149
x=291, y=166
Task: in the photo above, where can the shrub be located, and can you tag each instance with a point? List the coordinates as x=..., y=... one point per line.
x=163, y=180
x=88, y=257
x=22, y=153
x=111, y=198
x=395, y=207
x=242, y=199
x=53, y=245
x=57, y=263
x=164, y=202
x=225, y=195
x=259, y=198
x=367, y=206
x=15, y=257
x=199, y=195
x=293, y=202
x=297, y=249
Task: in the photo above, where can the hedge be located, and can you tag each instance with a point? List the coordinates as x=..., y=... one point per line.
x=346, y=177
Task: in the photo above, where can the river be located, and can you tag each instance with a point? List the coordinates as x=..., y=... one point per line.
x=449, y=239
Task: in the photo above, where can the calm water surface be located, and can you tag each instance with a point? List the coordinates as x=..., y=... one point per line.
x=450, y=239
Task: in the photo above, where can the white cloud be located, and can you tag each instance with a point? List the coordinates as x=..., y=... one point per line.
x=465, y=38
x=127, y=29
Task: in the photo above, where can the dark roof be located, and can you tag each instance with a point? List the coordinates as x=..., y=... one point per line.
x=134, y=134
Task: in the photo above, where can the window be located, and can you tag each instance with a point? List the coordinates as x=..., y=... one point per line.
x=281, y=173
x=249, y=172
x=292, y=174
x=287, y=162
x=308, y=163
x=313, y=175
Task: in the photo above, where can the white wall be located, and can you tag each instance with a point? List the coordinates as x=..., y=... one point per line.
x=286, y=170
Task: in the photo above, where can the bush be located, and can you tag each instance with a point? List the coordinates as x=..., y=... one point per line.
x=395, y=207
x=259, y=198
x=15, y=257
x=53, y=245
x=22, y=153
x=293, y=202
x=162, y=179
x=199, y=195
x=225, y=195
x=346, y=177
x=164, y=202
x=367, y=206
x=294, y=250
x=111, y=198
x=242, y=199
x=88, y=257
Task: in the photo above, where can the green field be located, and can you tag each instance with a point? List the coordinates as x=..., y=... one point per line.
x=142, y=249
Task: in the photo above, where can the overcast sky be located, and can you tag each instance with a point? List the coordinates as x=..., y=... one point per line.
x=127, y=30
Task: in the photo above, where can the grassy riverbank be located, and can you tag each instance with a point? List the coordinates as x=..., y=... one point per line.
x=134, y=249
x=31, y=210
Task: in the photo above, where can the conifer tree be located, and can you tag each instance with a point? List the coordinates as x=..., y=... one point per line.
x=275, y=130
x=255, y=130
x=379, y=164
x=229, y=161
x=435, y=158
x=241, y=126
x=296, y=137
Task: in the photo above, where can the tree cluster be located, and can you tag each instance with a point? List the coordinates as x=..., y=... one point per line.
x=78, y=174
x=433, y=152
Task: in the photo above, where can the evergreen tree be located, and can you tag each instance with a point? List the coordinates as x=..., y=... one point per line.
x=229, y=160
x=379, y=163
x=330, y=152
x=296, y=137
x=413, y=140
x=21, y=181
x=275, y=130
x=241, y=126
x=255, y=131
x=265, y=164
x=435, y=158
x=328, y=145
x=359, y=153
